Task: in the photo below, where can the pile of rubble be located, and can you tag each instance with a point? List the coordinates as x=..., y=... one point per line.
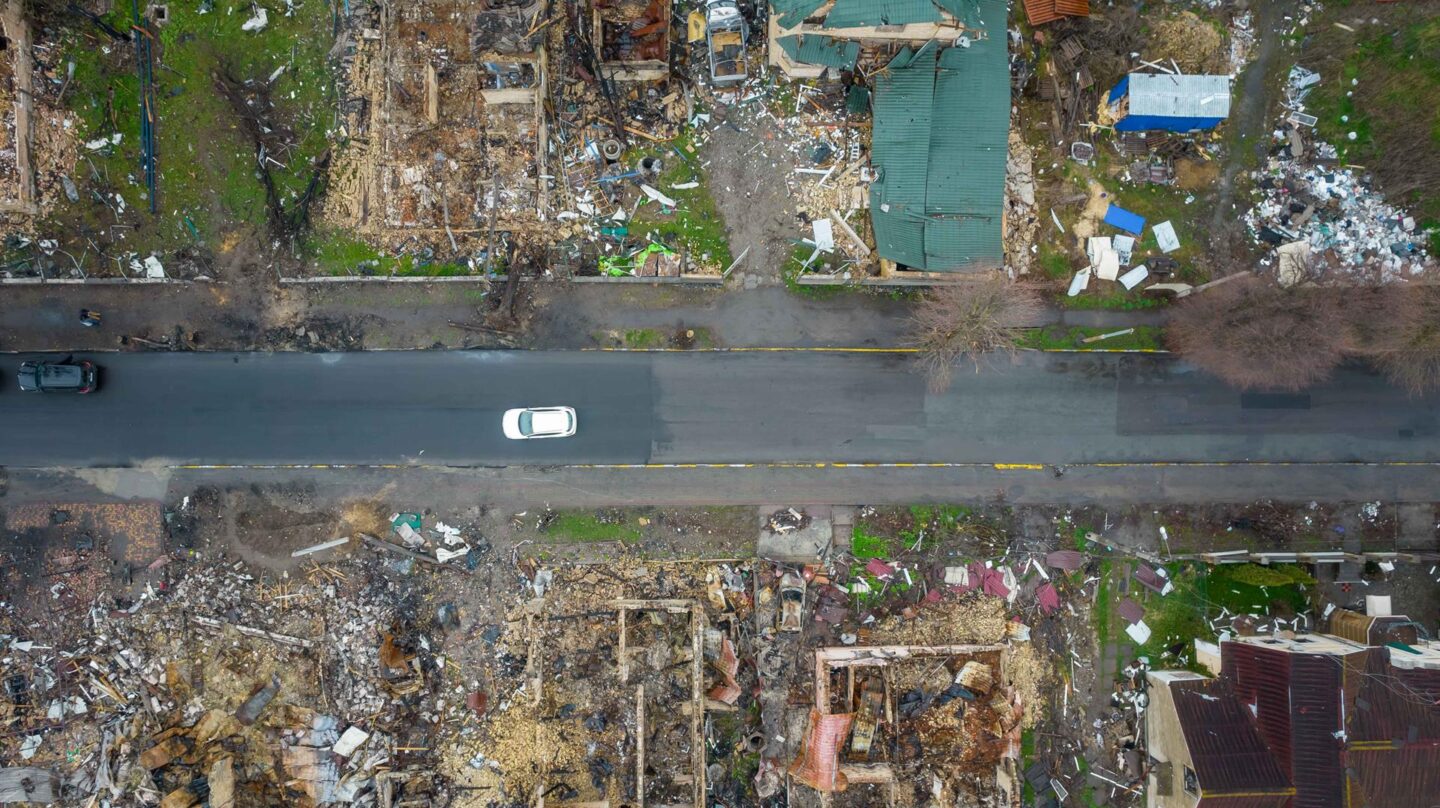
x=1327, y=221
x=191, y=691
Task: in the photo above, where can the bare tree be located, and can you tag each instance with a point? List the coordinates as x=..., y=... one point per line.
x=1406, y=342
x=969, y=320
x=1254, y=334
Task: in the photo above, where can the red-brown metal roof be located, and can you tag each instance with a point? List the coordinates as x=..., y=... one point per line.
x=1296, y=700
x=1261, y=679
x=1389, y=751
x=1315, y=720
x=1228, y=753
x=1259, y=801
x=1040, y=12
x=1395, y=704
x=1381, y=778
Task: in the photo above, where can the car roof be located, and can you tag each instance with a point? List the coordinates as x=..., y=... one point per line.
x=53, y=372
x=549, y=421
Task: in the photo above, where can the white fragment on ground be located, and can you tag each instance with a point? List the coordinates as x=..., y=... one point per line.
x=257, y=22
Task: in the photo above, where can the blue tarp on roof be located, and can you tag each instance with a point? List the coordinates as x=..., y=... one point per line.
x=1119, y=91
x=1116, y=216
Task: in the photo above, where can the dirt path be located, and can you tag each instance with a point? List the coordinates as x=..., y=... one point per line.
x=748, y=165
x=1255, y=96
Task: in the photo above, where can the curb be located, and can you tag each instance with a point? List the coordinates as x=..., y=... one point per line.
x=831, y=465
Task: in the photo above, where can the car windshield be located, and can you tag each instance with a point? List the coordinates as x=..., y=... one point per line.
x=525, y=423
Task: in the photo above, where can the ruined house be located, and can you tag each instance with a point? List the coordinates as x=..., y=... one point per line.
x=886, y=718
x=633, y=39
x=447, y=129
x=939, y=147
x=1310, y=721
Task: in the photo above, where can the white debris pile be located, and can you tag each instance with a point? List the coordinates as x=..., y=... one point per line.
x=1337, y=213
x=1326, y=212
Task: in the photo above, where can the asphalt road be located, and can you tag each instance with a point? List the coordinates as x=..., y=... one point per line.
x=443, y=408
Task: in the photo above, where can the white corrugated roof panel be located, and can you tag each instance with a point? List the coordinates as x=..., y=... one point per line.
x=1179, y=96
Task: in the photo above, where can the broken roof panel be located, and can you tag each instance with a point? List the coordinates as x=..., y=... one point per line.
x=818, y=763
x=1181, y=96
x=1116, y=216
x=1131, y=611
x=1039, y=12
x=966, y=11
x=821, y=50
x=790, y=13
x=1068, y=560
x=1048, y=598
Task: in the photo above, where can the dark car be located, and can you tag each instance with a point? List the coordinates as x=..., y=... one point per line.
x=58, y=377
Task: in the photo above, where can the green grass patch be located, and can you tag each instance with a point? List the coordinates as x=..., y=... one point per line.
x=332, y=252
x=1161, y=203
x=865, y=545
x=1176, y=619
x=1112, y=297
x=587, y=527
x=1027, y=757
x=1246, y=588
x=695, y=225
x=1053, y=263
x=643, y=338
x=1144, y=338
x=1389, y=81
x=1200, y=593
x=207, y=178
x=1103, y=605
x=795, y=266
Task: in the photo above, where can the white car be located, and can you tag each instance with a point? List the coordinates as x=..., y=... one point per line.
x=539, y=422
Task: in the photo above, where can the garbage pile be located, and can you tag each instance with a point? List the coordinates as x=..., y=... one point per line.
x=1325, y=219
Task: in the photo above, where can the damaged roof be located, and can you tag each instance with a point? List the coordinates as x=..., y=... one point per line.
x=870, y=13
x=940, y=144
x=821, y=50
x=790, y=13
x=864, y=13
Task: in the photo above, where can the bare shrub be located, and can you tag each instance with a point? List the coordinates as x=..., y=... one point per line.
x=1253, y=334
x=969, y=320
x=1405, y=344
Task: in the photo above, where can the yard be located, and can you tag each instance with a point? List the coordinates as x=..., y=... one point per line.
x=215, y=86
x=1380, y=83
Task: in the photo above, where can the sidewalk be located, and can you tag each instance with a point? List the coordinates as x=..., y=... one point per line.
x=418, y=316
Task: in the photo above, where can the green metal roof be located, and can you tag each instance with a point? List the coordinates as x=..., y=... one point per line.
x=790, y=13
x=865, y=13
x=966, y=11
x=821, y=50
x=940, y=144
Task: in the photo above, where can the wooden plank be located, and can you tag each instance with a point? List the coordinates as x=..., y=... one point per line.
x=640, y=733
x=432, y=94
x=850, y=232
